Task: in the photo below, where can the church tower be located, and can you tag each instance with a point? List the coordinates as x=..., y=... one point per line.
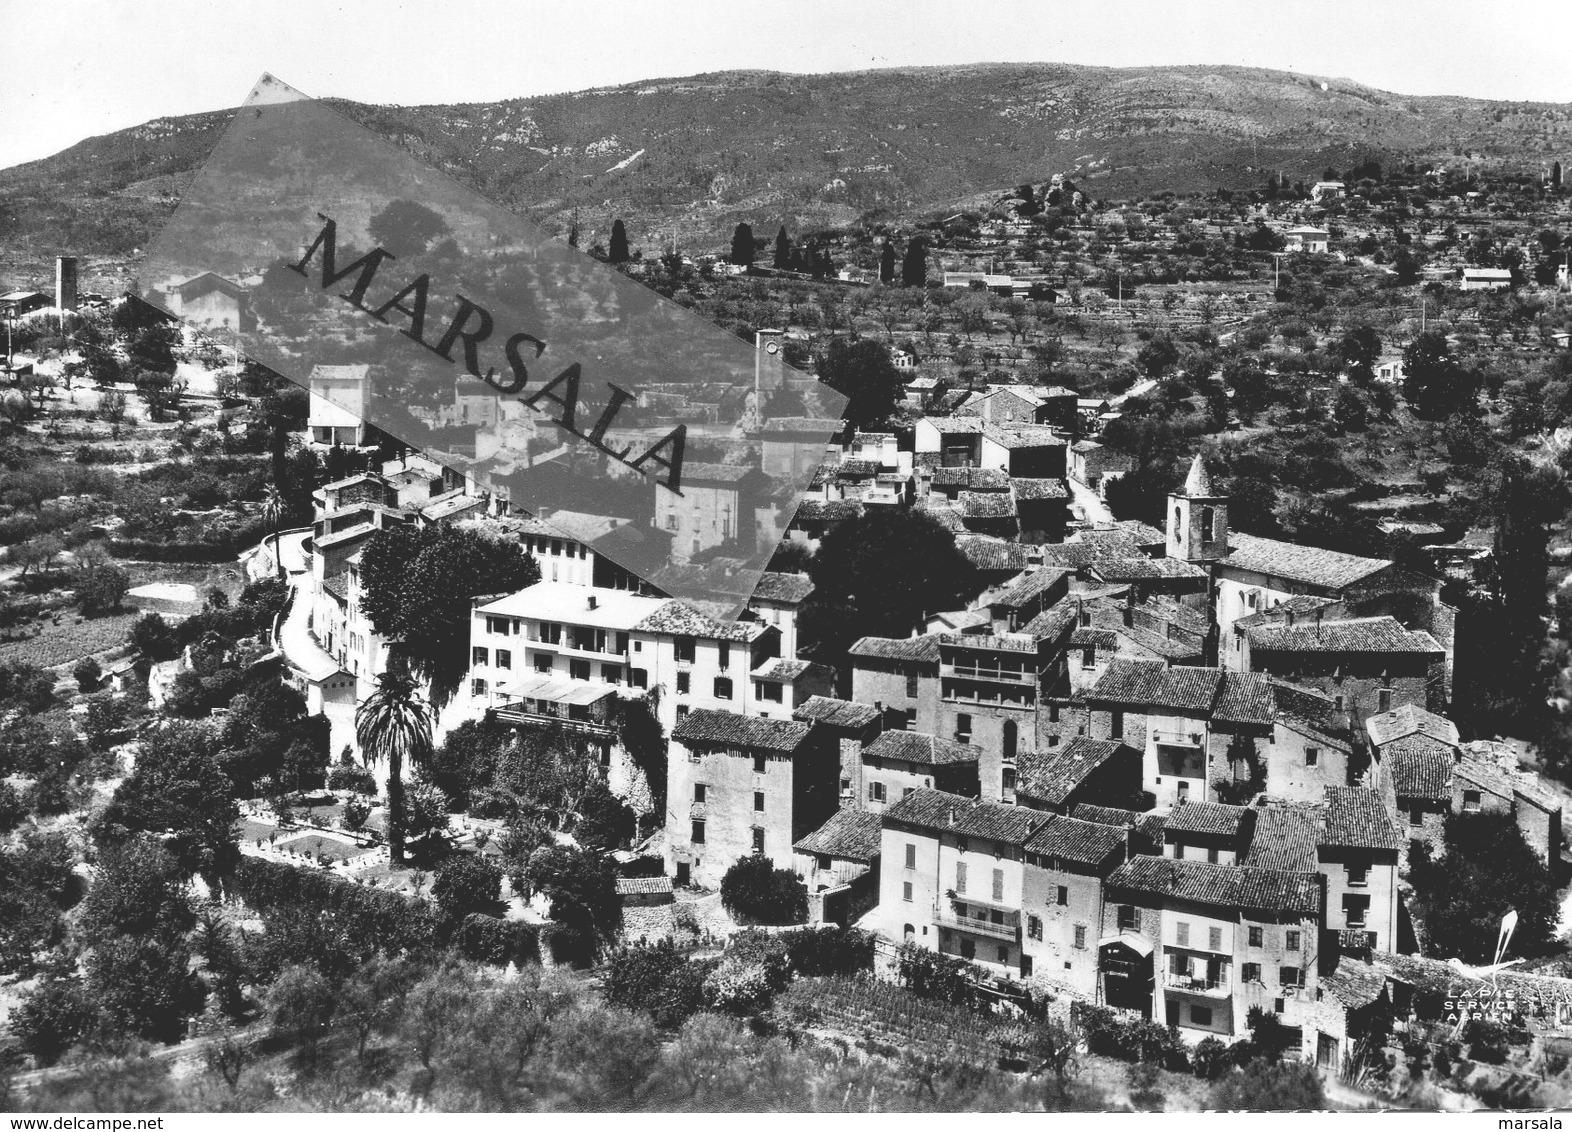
x=1197, y=518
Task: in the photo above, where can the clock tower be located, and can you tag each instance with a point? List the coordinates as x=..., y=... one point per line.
x=769, y=372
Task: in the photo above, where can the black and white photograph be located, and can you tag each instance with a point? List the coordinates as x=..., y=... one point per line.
x=784, y=557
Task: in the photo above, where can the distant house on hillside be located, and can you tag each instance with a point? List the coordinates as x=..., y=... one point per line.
x=1326, y=190
x=1306, y=239
x=338, y=404
x=1483, y=278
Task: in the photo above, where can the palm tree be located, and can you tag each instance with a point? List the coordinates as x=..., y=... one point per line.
x=273, y=512
x=394, y=724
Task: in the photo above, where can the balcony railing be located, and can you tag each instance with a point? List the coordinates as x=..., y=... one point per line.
x=1006, y=931
x=1197, y=984
x=984, y=672
x=521, y=718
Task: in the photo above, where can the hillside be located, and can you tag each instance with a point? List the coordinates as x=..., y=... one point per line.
x=705, y=151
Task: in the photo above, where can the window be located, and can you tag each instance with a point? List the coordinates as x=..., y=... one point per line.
x=876, y=792
x=638, y=678
x=1010, y=739
x=911, y=855
x=551, y=632
x=911, y=685
x=579, y=669
x=723, y=687
x=543, y=662
x=906, y=892
x=1053, y=713
x=1182, y=934
x=758, y=840
x=477, y=687
x=684, y=649
x=479, y=656
x=1256, y=937
x=761, y=763
x=910, y=721
x=1358, y=875
x=1129, y=918
x=1250, y=972
x=1026, y=966
x=700, y=791
x=1201, y=1015
x=1214, y=939
x=960, y=876
x=768, y=690
x=497, y=625
x=1288, y=976
x=725, y=655
x=1007, y=777
x=1312, y=756
x=1061, y=896
x=968, y=948
x=698, y=832
x=1208, y=524
x=1291, y=939
x=1356, y=909
x=1116, y=725
x=758, y=801
x=505, y=658
x=622, y=642
x=1080, y=936
x=1034, y=927
x=1004, y=953
x=682, y=712
x=1471, y=800
x=1416, y=814
x=963, y=728
x=1383, y=699
x=1211, y=856
x=1337, y=703
x=682, y=683
x=1089, y=656
x=998, y=884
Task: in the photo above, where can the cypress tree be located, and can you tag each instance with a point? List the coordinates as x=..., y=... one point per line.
x=1555, y=175
x=887, y=263
x=782, y=250
x=618, y=251
x=914, y=268
x=742, y=245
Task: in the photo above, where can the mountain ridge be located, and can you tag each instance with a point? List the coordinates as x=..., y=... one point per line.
x=700, y=152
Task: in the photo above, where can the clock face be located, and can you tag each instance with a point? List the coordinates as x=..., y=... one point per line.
x=773, y=347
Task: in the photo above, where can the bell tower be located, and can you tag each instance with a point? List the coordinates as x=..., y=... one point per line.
x=1197, y=518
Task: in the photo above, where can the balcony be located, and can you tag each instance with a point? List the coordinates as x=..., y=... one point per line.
x=520, y=718
x=1197, y=984
x=985, y=672
x=1006, y=931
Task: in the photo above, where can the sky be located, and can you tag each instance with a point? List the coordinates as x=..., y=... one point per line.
x=95, y=66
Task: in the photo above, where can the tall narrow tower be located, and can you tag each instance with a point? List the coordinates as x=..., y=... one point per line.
x=65, y=283
x=1197, y=518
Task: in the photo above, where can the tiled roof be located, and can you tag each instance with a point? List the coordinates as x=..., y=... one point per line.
x=682, y=620
x=1390, y=726
x=717, y=473
x=1354, y=984
x=1363, y=634
x=1148, y=825
x=1297, y=604
x=642, y=886
x=1294, y=701
x=1145, y=684
x=1143, y=533
x=973, y=479
x=986, y=505
x=836, y=713
x=943, y=512
x=856, y=469
x=785, y=668
x=1021, y=589
x=929, y=809
x=1029, y=490
x=1051, y=623
x=1420, y=767
x=1223, y=886
x=993, y=554
x=1023, y=436
x=1070, y=839
x=1356, y=818
x=836, y=511
x=1310, y=564
x=706, y=726
x=1208, y=817
x=1051, y=774
x=788, y=589
x=1285, y=838
x=1097, y=638
x=801, y=424
x=1012, y=825
x=849, y=833
x=925, y=648
x=925, y=750
x=1170, y=649
x=1244, y=697
x=971, y=425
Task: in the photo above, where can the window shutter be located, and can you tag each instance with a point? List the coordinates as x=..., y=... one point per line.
x=998, y=884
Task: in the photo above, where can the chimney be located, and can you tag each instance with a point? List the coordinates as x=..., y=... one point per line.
x=1129, y=607
x=592, y=601
x=1318, y=624
x=952, y=815
x=1289, y=613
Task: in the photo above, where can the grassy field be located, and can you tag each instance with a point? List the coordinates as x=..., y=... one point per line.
x=69, y=639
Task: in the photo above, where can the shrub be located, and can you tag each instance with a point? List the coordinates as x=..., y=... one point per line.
x=52, y=1017
x=932, y=975
x=739, y=988
x=764, y=950
x=1487, y=1041
x=356, y=811
x=828, y=951
x=87, y=674
x=467, y=883
x=755, y=891
x=658, y=980
x=346, y=775
x=1137, y=1039
x=1210, y=1059
x=1261, y=1086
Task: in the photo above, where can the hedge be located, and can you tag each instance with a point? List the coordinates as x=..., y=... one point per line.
x=396, y=922
x=146, y=550
x=487, y=939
